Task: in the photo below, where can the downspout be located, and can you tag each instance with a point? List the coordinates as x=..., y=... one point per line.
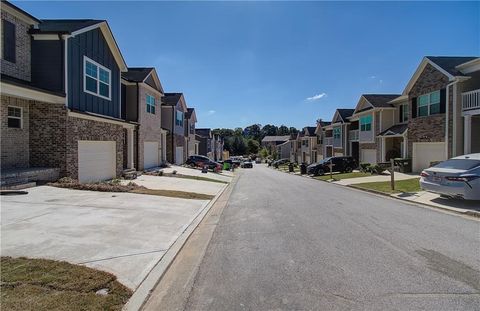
x=447, y=95
x=173, y=134
x=137, y=127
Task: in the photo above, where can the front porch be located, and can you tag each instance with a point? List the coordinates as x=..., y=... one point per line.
x=394, y=143
x=471, y=121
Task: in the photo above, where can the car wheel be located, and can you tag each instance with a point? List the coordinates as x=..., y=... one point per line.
x=348, y=169
x=320, y=172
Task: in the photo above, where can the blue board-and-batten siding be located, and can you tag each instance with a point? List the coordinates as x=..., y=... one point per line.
x=93, y=45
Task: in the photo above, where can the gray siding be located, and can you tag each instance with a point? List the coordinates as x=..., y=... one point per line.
x=93, y=45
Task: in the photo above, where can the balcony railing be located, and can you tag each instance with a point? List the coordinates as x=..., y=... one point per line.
x=328, y=141
x=471, y=100
x=353, y=135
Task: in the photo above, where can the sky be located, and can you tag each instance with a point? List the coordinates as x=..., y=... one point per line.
x=291, y=63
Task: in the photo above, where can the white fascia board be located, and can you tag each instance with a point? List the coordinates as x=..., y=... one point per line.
x=470, y=66
x=100, y=118
x=51, y=37
x=26, y=93
x=19, y=15
x=419, y=71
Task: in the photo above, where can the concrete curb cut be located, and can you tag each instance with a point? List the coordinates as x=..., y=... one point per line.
x=143, y=291
x=468, y=213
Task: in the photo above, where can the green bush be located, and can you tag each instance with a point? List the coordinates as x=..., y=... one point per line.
x=376, y=169
x=365, y=167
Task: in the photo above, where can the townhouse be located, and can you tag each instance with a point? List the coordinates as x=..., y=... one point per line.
x=70, y=106
x=206, y=144
x=320, y=132
x=336, y=142
x=192, y=142
x=270, y=142
x=307, y=145
x=174, y=108
x=142, y=94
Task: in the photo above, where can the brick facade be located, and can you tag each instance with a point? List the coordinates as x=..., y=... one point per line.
x=14, y=141
x=83, y=129
x=428, y=128
x=21, y=69
x=150, y=129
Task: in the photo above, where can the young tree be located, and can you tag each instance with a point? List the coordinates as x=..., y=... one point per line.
x=264, y=153
x=239, y=147
x=252, y=146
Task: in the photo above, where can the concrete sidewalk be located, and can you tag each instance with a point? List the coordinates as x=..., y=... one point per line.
x=434, y=200
x=123, y=233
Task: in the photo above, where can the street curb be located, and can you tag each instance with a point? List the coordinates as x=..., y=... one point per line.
x=468, y=213
x=143, y=291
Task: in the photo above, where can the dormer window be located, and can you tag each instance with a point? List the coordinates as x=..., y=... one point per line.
x=428, y=104
x=96, y=79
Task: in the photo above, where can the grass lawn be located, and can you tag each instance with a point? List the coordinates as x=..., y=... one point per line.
x=40, y=284
x=407, y=185
x=343, y=176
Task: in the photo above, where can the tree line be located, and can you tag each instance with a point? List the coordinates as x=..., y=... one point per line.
x=242, y=141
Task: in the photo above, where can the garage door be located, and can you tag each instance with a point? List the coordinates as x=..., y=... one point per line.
x=96, y=160
x=179, y=155
x=424, y=153
x=368, y=156
x=150, y=154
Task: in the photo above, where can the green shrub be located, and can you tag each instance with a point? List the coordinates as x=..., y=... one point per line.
x=365, y=167
x=376, y=169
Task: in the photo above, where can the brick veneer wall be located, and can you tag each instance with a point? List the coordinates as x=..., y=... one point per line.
x=21, y=69
x=178, y=141
x=429, y=128
x=48, y=123
x=14, y=141
x=83, y=129
x=150, y=129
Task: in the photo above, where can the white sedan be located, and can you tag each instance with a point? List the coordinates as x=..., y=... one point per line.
x=457, y=177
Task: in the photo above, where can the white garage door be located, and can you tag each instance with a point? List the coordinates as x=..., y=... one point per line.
x=178, y=155
x=150, y=154
x=368, y=156
x=96, y=160
x=424, y=153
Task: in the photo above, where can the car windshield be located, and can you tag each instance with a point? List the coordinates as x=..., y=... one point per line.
x=325, y=160
x=459, y=164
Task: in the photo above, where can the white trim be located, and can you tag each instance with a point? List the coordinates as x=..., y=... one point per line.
x=471, y=112
x=470, y=66
x=419, y=71
x=42, y=37
x=94, y=117
x=150, y=88
x=25, y=18
x=26, y=93
x=85, y=59
x=65, y=39
x=454, y=121
x=13, y=117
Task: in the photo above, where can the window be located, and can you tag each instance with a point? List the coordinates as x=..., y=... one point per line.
x=319, y=140
x=403, y=109
x=150, y=104
x=14, y=117
x=336, y=133
x=428, y=104
x=192, y=128
x=366, y=123
x=306, y=143
x=179, y=118
x=96, y=79
x=9, y=41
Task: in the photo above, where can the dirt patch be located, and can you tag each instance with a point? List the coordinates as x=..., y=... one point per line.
x=41, y=284
x=175, y=194
x=104, y=186
x=185, y=176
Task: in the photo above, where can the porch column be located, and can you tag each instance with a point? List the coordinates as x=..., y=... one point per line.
x=382, y=149
x=130, y=162
x=467, y=134
x=405, y=153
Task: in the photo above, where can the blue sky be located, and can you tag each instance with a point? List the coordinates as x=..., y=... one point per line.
x=240, y=63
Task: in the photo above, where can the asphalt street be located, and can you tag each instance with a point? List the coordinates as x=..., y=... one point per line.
x=286, y=242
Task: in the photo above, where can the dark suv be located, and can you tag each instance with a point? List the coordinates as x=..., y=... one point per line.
x=340, y=164
x=201, y=161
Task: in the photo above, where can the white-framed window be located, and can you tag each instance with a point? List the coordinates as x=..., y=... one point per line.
x=336, y=133
x=179, y=118
x=15, y=117
x=428, y=104
x=150, y=104
x=97, y=79
x=403, y=109
x=366, y=123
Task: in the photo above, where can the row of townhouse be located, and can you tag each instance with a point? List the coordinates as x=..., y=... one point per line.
x=70, y=105
x=211, y=145
x=435, y=118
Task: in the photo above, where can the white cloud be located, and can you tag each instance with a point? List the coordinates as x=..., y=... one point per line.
x=210, y=112
x=316, y=97
x=373, y=77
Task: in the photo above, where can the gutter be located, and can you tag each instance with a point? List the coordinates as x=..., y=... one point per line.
x=447, y=99
x=137, y=132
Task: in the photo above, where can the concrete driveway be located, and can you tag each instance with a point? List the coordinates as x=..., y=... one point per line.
x=122, y=233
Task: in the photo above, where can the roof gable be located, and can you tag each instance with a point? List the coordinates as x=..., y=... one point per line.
x=191, y=115
x=146, y=75
x=19, y=13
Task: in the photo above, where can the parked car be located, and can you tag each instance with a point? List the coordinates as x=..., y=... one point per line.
x=247, y=164
x=457, y=177
x=280, y=162
x=258, y=161
x=340, y=164
x=202, y=161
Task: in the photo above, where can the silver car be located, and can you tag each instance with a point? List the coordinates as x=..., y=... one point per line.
x=457, y=177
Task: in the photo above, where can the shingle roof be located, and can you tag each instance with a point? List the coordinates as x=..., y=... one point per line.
x=64, y=25
x=448, y=63
x=310, y=130
x=203, y=132
x=275, y=138
x=189, y=112
x=171, y=99
x=325, y=123
x=136, y=74
x=395, y=130
x=380, y=100
x=345, y=113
